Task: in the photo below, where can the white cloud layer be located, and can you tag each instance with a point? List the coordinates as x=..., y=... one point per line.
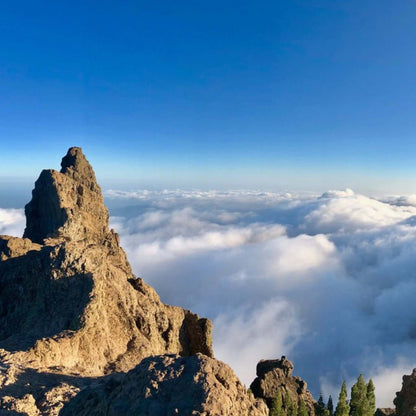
x=12, y=221
x=329, y=281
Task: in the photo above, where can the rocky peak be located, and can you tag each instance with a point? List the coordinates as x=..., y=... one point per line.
x=67, y=204
x=68, y=297
x=75, y=164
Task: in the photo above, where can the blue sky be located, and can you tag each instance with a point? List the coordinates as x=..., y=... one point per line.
x=306, y=95
x=276, y=95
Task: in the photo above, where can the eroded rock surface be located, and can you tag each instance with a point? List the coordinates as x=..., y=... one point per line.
x=275, y=377
x=169, y=385
x=69, y=302
x=405, y=400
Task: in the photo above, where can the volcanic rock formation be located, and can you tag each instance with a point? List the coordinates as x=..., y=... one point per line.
x=405, y=400
x=68, y=297
x=72, y=312
x=275, y=377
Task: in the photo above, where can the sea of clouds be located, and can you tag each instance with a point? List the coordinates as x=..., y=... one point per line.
x=329, y=281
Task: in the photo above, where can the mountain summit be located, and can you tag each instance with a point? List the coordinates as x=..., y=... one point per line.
x=67, y=204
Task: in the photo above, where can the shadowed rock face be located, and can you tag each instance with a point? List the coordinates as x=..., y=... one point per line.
x=275, y=377
x=405, y=400
x=69, y=302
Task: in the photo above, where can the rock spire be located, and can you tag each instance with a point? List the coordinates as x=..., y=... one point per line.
x=67, y=204
x=68, y=295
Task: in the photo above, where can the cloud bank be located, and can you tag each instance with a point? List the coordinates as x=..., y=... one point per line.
x=12, y=221
x=329, y=280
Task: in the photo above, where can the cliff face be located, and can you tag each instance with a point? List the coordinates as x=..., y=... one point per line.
x=72, y=314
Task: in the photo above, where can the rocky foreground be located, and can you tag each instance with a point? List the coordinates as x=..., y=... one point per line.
x=81, y=335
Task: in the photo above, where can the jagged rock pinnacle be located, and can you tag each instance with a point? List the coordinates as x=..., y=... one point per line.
x=67, y=204
x=73, y=317
x=69, y=273
x=75, y=164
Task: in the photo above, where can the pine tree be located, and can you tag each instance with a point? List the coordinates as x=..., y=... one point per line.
x=302, y=409
x=276, y=409
x=293, y=409
x=371, y=397
x=359, y=402
x=289, y=406
x=321, y=409
x=343, y=408
x=330, y=406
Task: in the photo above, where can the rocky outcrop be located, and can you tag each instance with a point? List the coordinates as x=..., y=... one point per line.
x=405, y=400
x=169, y=385
x=69, y=302
x=275, y=377
x=15, y=247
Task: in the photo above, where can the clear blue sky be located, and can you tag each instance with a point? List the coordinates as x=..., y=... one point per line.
x=255, y=94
